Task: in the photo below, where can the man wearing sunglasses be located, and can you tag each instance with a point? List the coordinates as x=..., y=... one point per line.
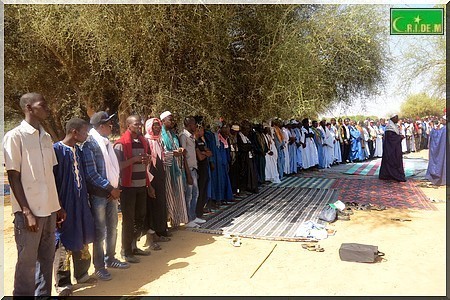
x=102, y=176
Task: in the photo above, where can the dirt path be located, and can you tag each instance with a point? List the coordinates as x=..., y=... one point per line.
x=203, y=264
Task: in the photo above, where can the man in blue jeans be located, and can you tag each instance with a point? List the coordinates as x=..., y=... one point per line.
x=187, y=141
x=102, y=176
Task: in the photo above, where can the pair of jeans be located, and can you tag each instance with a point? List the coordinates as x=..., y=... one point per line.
x=191, y=195
x=35, y=254
x=81, y=263
x=105, y=218
x=133, y=204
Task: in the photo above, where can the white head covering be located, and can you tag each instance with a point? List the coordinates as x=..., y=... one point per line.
x=165, y=115
x=235, y=127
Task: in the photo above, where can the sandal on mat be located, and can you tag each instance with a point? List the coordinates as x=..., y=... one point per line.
x=155, y=246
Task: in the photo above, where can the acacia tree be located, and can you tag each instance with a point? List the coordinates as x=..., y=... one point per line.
x=236, y=61
x=420, y=105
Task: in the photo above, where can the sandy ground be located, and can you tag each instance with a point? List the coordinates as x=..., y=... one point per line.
x=203, y=264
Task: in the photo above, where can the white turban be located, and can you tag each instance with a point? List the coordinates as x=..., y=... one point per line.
x=165, y=115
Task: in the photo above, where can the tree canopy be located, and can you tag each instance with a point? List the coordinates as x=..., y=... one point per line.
x=234, y=61
x=421, y=105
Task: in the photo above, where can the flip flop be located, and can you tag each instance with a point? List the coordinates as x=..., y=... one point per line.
x=400, y=219
x=378, y=207
x=331, y=231
x=161, y=239
x=363, y=207
x=312, y=247
x=348, y=210
x=155, y=246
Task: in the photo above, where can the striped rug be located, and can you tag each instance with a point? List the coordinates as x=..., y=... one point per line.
x=371, y=168
x=274, y=213
x=305, y=182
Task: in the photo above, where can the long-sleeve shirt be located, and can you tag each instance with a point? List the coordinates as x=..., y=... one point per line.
x=95, y=168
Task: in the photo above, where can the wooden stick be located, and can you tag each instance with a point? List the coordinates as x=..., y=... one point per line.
x=263, y=261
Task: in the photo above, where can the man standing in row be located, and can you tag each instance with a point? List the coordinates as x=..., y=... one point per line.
x=29, y=161
x=133, y=156
x=102, y=176
x=77, y=231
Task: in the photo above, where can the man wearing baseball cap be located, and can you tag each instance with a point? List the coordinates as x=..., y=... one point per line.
x=102, y=176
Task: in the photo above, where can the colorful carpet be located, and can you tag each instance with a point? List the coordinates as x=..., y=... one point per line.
x=304, y=182
x=403, y=195
x=372, y=168
x=274, y=213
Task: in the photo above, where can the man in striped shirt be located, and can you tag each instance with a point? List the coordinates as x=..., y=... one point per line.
x=132, y=152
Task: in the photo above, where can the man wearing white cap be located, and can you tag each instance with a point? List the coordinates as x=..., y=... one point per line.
x=173, y=166
x=437, y=163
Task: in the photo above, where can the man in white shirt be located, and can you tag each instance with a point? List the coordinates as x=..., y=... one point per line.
x=29, y=161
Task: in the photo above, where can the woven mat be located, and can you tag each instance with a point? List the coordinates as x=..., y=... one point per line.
x=372, y=168
x=274, y=213
x=305, y=182
x=403, y=195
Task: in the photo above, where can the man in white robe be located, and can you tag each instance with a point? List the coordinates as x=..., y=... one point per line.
x=310, y=156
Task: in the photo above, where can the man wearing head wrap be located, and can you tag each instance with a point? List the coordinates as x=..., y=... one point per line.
x=156, y=203
x=285, y=132
x=436, y=171
x=173, y=168
x=392, y=160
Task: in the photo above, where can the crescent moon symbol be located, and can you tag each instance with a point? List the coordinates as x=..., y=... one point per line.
x=394, y=24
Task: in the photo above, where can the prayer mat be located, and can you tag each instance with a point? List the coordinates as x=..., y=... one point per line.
x=274, y=213
x=403, y=195
x=304, y=182
x=372, y=168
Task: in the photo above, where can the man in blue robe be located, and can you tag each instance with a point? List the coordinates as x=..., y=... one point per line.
x=77, y=231
x=356, y=152
x=436, y=171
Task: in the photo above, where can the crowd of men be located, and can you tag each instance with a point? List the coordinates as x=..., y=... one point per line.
x=158, y=175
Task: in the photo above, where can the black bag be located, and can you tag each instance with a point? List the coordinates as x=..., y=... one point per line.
x=359, y=252
x=328, y=214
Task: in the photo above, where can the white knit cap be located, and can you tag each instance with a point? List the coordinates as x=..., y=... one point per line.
x=165, y=115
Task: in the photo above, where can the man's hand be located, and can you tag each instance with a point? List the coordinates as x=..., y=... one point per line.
x=145, y=159
x=60, y=217
x=115, y=194
x=151, y=192
x=189, y=179
x=208, y=153
x=30, y=220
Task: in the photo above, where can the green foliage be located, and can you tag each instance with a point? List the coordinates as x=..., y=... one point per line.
x=426, y=61
x=235, y=61
x=420, y=105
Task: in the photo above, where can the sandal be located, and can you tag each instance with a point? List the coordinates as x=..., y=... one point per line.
x=331, y=231
x=343, y=218
x=348, y=210
x=363, y=207
x=66, y=292
x=155, y=246
x=312, y=247
x=161, y=239
x=400, y=219
x=378, y=207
